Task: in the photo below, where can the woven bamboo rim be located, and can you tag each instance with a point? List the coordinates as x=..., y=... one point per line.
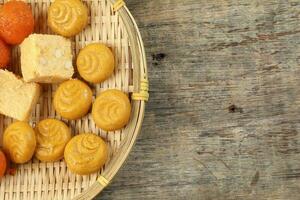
x=77, y=187
x=140, y=74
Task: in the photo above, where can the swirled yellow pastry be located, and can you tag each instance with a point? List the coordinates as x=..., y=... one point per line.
x=86, y=153
x=52, y=137
x=72, y=99
x=111, y=110
x=95, y=63
x=19, y=142
x=67, y=17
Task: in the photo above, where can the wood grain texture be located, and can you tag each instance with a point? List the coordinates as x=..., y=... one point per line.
x=223, y=120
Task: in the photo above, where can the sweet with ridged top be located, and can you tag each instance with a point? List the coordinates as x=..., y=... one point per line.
x=19, y=142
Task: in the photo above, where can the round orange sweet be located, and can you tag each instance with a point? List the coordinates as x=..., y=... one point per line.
x=4, y=54
x=3, y=164
x=16, y=22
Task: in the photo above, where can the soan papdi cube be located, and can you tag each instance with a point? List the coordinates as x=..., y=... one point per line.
x=46, y=59
x=17, y=98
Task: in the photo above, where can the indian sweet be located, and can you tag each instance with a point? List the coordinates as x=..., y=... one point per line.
x=73, y=99
x=67, y=17
x=17, y=98
x=16, y=22
x=19, y=142
x=46, y=59
x=3, y=164
x=86, y=153
x=52, y=136
x=4, y=54
x=95, y=63
x=111, y=110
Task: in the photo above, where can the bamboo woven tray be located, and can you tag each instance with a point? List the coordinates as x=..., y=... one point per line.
x=110, y=23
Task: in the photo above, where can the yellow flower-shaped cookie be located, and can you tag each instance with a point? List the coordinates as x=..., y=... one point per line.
x=19, y=142
x=95, y=63
x=111, y=110
x=72, y=99
x=86, y=153
x=67, y=17
x=52, y=137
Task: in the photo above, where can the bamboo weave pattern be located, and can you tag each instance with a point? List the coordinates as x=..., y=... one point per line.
x=37, y=180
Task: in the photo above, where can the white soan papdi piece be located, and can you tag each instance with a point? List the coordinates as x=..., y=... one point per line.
x=17, y=98
x=46, y=59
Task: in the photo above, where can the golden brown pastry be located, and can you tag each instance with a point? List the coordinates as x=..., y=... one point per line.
x=52, y=136
x=73, y=99
x=19, y=142
x=67, y=17
x=86, y=153
x=111, y=110
x=95, y=63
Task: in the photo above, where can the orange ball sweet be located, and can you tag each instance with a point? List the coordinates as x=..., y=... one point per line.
x=3, y=164
x=16, y=22
x=4, y=54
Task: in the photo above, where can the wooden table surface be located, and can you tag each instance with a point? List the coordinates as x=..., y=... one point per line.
x=223, y=120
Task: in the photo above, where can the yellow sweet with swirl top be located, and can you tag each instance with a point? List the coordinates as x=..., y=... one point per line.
x=95, y=63
x=86, y=153
x=67, y=17
x=19, y=142
x=73, y=99
x=52, y=137
x=111, y=110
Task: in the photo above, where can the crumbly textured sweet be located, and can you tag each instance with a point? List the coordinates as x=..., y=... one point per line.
x=19, y=142
x=86, y=153
x=73, y=99
x=95, y=63
x=67, y=17
x=17, y=98
x=52, y=137
x=111, y=110
x=46, y=59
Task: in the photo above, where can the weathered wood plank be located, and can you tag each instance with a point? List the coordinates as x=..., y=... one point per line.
x=223, y=120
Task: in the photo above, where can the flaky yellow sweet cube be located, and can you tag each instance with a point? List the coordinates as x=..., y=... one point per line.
x=17, y=98
x=46, y=59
